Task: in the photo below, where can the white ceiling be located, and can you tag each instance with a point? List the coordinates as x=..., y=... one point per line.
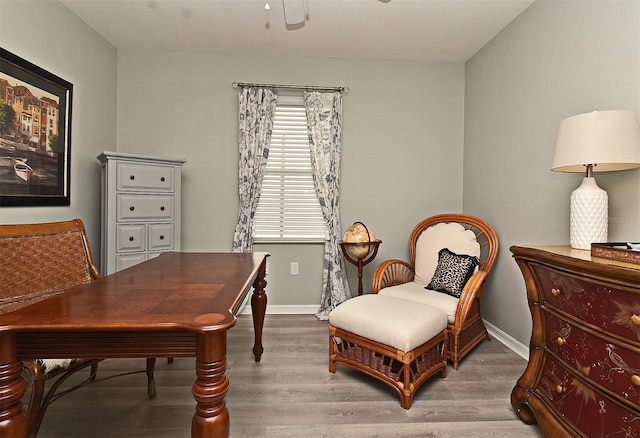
x=432, y=30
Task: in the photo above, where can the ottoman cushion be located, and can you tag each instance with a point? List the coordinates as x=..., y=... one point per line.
x=399, y=323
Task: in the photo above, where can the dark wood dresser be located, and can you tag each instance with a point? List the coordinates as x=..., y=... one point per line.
x=583, y=376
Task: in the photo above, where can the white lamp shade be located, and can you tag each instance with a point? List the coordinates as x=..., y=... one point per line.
x=610, y=140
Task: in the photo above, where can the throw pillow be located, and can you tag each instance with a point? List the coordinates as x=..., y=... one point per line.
x=452, y=273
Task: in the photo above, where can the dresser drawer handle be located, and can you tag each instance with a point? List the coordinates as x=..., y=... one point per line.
x=162, y=208
x=162, y=179
x=161, y=237
x=132, y=177
x=555, y=292
x=561, y=341
x=635, y=379
x=131, y=239
x=559, y=389
x=132, y=208
x=635, y=319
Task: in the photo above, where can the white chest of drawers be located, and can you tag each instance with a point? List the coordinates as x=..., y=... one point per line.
x=140, y=208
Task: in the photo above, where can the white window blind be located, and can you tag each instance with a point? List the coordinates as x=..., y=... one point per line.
x=289, y=210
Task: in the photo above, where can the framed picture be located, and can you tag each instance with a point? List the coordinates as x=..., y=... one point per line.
x=35, y=134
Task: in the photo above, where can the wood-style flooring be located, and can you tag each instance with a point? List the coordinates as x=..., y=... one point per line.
x=291, y=393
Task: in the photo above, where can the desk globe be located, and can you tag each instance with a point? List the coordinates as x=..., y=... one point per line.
x=359, y=232
x=359, y=246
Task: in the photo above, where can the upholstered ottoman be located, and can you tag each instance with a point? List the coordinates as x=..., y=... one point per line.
x=399, y=342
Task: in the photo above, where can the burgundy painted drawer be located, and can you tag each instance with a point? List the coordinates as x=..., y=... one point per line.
x=609, y=365
x=592, y=412
x=603, y=306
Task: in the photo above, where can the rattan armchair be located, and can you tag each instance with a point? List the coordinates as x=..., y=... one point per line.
x=39, y=261
x=465, y=326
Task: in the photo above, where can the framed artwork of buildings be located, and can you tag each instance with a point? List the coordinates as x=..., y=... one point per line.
x=35, y=134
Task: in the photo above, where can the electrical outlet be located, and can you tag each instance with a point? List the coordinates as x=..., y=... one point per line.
x=294, y=268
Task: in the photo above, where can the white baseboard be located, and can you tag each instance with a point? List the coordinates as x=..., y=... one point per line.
x=288, y=309
x=311, y=309
x=510, y=342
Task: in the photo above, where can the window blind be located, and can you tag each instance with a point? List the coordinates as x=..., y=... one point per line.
x=289, y=210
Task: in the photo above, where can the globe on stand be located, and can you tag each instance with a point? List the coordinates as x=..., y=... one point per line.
x=359, y=232
x=359, y=246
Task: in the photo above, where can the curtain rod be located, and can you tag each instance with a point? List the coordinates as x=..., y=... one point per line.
x=292, y=87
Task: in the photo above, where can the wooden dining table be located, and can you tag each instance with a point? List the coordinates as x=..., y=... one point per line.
x=175, y=305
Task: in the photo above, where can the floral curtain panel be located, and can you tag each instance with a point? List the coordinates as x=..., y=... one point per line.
x=256, y=109
x=324, y=122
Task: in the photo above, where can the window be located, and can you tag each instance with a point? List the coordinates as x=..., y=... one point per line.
x=289, y=210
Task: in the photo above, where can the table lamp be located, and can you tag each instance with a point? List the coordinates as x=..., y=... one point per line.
x=599, y=141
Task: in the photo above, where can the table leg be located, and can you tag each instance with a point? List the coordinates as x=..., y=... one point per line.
x=13, y=418
x=259, y=308
x=211, y=418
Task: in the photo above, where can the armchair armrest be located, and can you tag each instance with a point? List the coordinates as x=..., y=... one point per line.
x=469, y=295
x=391, y=273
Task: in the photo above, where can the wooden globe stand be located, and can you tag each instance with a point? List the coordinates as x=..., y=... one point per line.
x=360, y=262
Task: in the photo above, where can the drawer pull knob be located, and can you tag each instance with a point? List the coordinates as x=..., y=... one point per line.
x=161, y=237
x=131, y=239
x=635, y=319
x=132, y=177
x=132, y=208
x=559, y=389
x=162, y=208
x=561, y=341
x=162, y=179
x=555, y=292
x=635, y=379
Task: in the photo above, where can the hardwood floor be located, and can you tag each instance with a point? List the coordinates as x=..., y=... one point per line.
x=291, y=393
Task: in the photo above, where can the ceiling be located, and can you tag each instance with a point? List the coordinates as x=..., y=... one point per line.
x=417, y=30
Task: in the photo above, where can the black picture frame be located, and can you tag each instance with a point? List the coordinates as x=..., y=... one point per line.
x=35, y=134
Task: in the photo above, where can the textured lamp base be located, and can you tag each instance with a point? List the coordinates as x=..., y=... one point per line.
x=589, y=214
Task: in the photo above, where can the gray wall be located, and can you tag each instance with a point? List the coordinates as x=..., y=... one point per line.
x=402, y=145
x=557, y=59
x=48, y=35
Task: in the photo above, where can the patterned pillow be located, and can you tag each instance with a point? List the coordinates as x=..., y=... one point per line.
x=452, y=273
